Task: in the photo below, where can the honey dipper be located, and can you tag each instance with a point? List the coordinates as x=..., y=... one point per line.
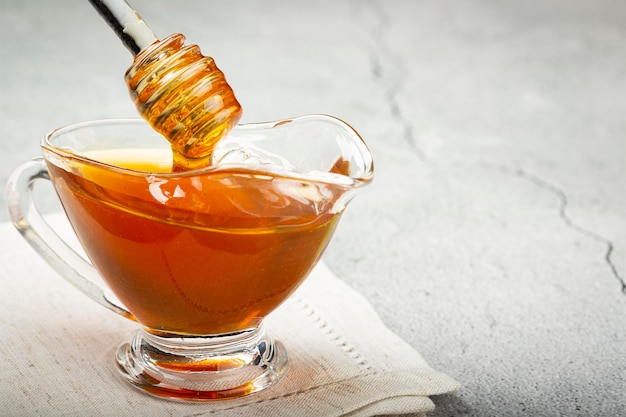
x=180, y=92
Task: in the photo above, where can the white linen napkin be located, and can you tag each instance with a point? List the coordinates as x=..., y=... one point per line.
x=58, y=353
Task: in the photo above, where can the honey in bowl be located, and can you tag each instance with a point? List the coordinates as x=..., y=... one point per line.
x=197, y=257
x=208, y=253
x=198, y=249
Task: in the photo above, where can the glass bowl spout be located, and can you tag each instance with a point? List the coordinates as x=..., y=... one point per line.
x=323, y=155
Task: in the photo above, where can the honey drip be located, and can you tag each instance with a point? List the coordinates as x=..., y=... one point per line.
x=184, y=97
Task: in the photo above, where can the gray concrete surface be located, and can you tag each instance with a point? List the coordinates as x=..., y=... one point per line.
x=493, y=239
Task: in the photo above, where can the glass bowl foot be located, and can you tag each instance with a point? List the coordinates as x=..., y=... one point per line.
x=202, y=368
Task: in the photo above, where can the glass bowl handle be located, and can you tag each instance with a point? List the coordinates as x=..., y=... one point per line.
x=49, y=245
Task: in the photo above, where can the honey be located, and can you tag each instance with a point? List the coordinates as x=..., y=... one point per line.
x=199, y=254
x=185, y=97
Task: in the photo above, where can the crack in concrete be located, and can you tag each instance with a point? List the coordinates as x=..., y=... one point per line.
x=382, y=60
x=563, y=203
x=382, y=63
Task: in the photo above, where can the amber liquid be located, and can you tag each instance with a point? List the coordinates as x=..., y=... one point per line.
x=201, y=254
x=185, y=97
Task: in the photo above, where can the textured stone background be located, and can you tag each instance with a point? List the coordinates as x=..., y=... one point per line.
x=493, y=239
